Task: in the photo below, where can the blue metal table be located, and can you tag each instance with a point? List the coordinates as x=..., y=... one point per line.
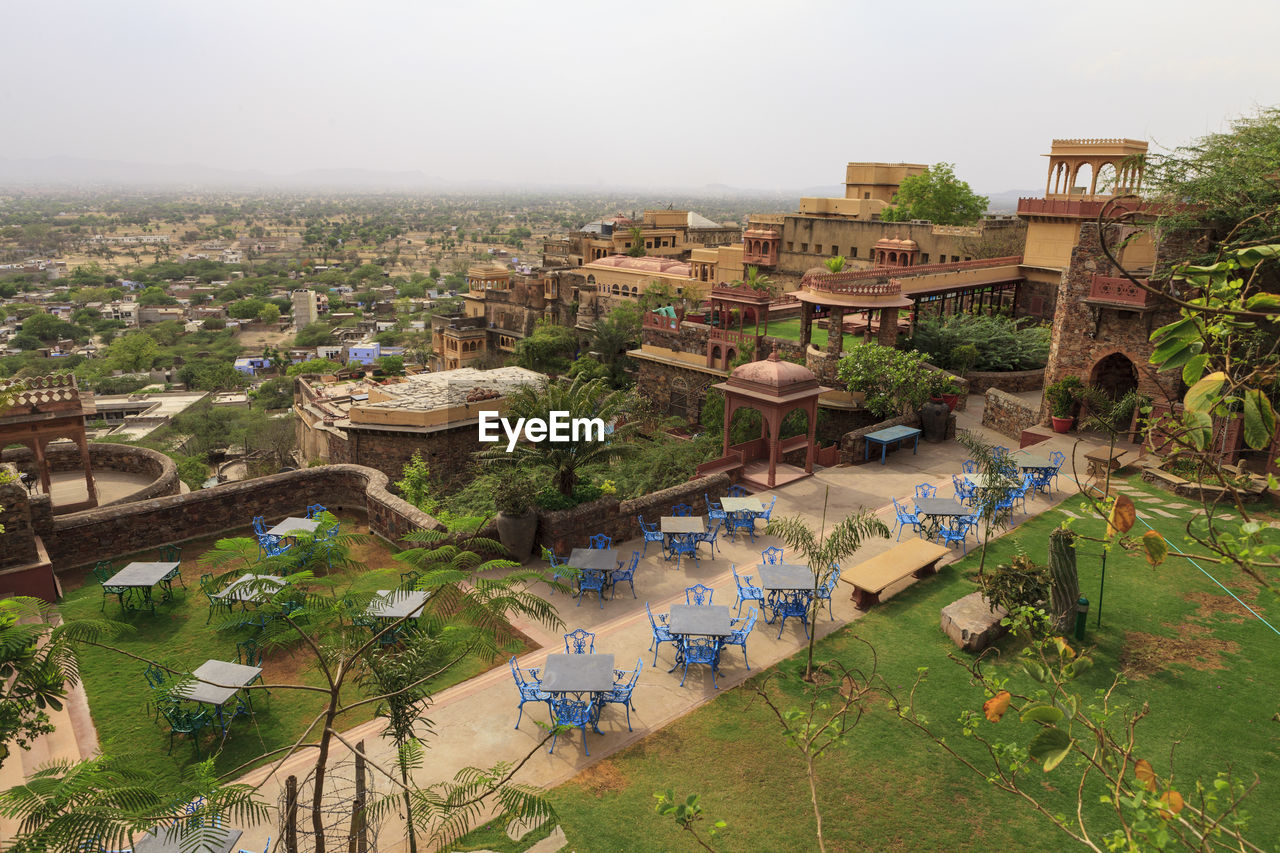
x=885, y=437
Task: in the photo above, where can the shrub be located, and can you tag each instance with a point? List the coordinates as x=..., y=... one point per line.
x=1021, y=583
x=551, y=499
x=984, y=342
x=894, y=381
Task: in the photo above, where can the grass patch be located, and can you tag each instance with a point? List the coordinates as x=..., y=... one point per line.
x=789, y=329
x=179, y=637
x=892, y=789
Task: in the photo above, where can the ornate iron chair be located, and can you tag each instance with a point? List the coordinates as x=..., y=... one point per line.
x=709, y=537
x=968, y=466
x=715, y=512
x=1058, y=458
x=793, y=604
x=736, y=491
x=208, y=586
x=592, y=580
x=624, y=683
x=906, y=519
x=651, y=533
x=556, y=565
x=172, y=554
x=601, y=542
x=746, y=592
x=966, y=493
x=681, y=510
x=104, y=571
x=530, y=687
x=682, y=545
x=700, y=650
x=699, y=594
x=741, y=632
x=184, y=722
x=827, y=589
x=572, y=711
x=627, y=575
x=767, y=512
x=579, y=642
x=315, y=510
x=926, y=490
x=661, y=633
x=957, y=531
x=772, y=556
x=742, y=520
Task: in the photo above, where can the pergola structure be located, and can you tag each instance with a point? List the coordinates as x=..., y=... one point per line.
x=49, y=408
x=838, y=294
x=744, y=308
x=775, y=389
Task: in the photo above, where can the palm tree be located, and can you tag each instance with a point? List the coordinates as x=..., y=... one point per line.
x=825, y=551
x=835, y=264
x=756, y=281
x=564, y=461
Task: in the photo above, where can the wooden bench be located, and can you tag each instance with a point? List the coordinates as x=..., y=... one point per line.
x=918, y=557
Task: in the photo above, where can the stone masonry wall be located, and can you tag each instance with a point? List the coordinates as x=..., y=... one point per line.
x=1013, y=382
x=109, y=457
x=853, y=445
x=448, y=453
x=1007, y=414
x=17, y=543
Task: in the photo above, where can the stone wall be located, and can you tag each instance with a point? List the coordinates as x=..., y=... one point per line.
x=1013, y=382
x=17, y=543
x=448, y=452
x=1007, y=414
x=101, y=534
x=564, y=530
x=853, y=445
x=103, y=456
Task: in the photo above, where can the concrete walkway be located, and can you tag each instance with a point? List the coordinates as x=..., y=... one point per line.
x=473, y=721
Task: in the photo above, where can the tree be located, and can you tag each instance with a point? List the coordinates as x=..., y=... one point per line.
x=269, y=314
x=132, y=352
x=894, y=382
x=392, y=365
x=613, y=336
x=549, y=349
x=313, y=334
x=275, y=393
x=637, y=249
x=564, y=461
x=155, y=296
x=824, y=552
x=937, y=195
x=49, y=328
x=315, y=365
x=246, y=309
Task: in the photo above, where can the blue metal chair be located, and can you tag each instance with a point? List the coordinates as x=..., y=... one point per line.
x=740, y=634
x=1058, y=458
x=315, y=510
x=681, y=510
x=556, y=565
x=699, y=650
x=742, y=520
x=965, y=491
x=736, y=491
x=592, y=580
x=628, y=575
x=825, y=591
x=661, y=632
x=601, y=542
x=699, y=594
x=793, y=604
x=571, y=711
x=715, y=512
x=530, y=687
x=624, y=683
x=651, y=533
x=968, y=466
x=999, y=451
x=767, y=513
x=746, y=592
x=682, y=545
x=273, y=546
x=709, y=537
x=957, y=531
x=906, y=519
x=579, y=642
x=771, y=555
x=926, y=490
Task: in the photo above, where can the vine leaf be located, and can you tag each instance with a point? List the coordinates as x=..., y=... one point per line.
x=1204, y=395
x=1155, y=548
x=1123, y=516
x=1146, y=774
x=1049, y=747
x=995, y=707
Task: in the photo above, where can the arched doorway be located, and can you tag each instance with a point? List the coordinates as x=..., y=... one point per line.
x=1115, y=375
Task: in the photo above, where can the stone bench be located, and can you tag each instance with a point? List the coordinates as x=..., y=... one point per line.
x=918, y=557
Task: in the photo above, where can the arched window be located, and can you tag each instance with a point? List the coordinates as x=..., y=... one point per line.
x=1082, y=184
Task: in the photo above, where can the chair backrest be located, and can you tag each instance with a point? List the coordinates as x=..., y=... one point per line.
x=833, y=578
x=736, y=491
x=579, y=642
x=768, y=512
x=999, y=451
x=259, y=524
x=710, y=535
x=647, y=528
x=206, y=582
x=653, y=622
x=737, y=579
x=515, y=671
x=699, y=594
x=712, y=506
x=969, y=466
x=155, y=676
x=681, y=510
x=170, y=553
x=315, y=510
x=630, y=570
x=600, y=541
x=740, y=634
x=550, y=557
x=248, y=653
x=926, y=490
x=773, y=555
x=1057, y=457
x=102, y=570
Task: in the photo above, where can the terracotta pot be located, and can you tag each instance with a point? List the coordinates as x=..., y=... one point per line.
x=951, y=400
x=1062, y=424
x=517, y=532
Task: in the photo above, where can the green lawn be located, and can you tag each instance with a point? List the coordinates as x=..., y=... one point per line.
x=1207, y=669
x=790, y=330
x=178, y=636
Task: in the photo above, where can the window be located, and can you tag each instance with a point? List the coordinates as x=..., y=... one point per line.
x=817, y=249
x=853, y=251
x=866, y=195
x=967, y=258
x=804, y=247
x=791, y=247
x=924, y=257
x=835, y=250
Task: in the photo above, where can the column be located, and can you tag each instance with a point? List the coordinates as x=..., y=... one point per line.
x=806, y=323
x=772, y=423
x=835, y=331
x=812, y=411
x=888, y=327
x=88, y=469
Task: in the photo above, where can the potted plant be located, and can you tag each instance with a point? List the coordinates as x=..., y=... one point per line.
x=951, y=394
x=934, y=413
x=1063, y=396
x=517, y=519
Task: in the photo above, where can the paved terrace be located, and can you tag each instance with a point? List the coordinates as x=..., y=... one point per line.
x=474, y=721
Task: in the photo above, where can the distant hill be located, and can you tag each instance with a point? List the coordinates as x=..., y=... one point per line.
x=1007, y=201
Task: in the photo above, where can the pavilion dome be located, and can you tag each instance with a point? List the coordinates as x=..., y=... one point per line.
x=773, y=372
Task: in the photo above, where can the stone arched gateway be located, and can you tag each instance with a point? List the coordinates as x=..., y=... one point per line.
x=1114, y=374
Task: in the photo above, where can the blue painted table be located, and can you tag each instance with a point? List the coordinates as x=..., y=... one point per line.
x=885, y=437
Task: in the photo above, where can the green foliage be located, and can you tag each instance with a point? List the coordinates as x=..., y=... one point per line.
x=313, y=334
x=132, y=352
x=269, y=314
x=193, y=470
x=155, y=296
x=208, y=374
x=551, y=498
x=687, y=814
x=214, y=324
x=987, y=342
x=1064, y=396
x=275, y=393
x=49, y=328
x=118, y=384
x=246, y=309
x=835, y=264
x=549, y=349
x=658, y=462
x=1017, y=583
x=315, y=365
x=514, y=493
x=894, y=382
x=415, y=484
x=392, y=365
x=637, y=249
x=938, y=196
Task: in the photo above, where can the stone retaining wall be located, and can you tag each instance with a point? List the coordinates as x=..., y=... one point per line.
x=1008, y=415
x=564, y=530
x=1012, y=382
x=82, y=538
x=104, y=456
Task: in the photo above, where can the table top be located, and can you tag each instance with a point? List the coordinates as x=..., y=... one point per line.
x=704, y=620
x=1031, y=460
x=169, y=840
x=942, y=506
x=785, y=576
x=980, y=480
x=212, y=674
x=290, y=526
x=597, y=559
x=893, y=433
x=751, y=504
x=141, y=574
x=578, y=674
x=397, y=604
x=683, y=524
x=251, y=587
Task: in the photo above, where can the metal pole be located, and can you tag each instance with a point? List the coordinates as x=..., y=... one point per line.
x=1101, y=585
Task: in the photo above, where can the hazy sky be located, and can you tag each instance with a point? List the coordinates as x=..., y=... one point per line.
x=759, y=95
